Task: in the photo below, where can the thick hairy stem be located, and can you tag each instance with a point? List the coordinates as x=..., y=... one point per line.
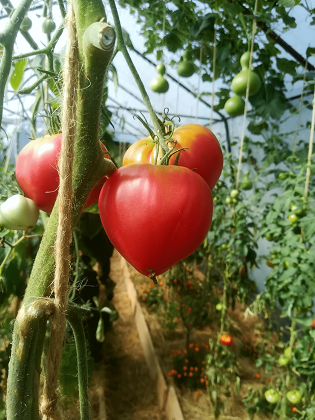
x=75, y=321
x=64, y=231
x=24, y=368
x=89, y=163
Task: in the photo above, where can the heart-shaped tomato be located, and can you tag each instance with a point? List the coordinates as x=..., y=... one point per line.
x=154, y=215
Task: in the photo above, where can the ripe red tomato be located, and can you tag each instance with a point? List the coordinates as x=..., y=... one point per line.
x=154, y=215
x=36, y=172
x=204, y=154
x=226, y=339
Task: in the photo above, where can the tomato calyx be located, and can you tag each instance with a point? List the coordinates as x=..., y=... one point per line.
x=152, y=275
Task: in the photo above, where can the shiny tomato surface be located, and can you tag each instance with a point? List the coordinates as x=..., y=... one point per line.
x=154, y=215
x=204, y=154
x=37, y=174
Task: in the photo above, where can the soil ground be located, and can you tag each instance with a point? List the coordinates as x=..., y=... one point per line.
x=130, y=392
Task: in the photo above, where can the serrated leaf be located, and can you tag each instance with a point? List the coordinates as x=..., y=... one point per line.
x=17, y=75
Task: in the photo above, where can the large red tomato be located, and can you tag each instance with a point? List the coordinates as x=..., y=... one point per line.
x=37, y=175
x=204, y=153
x=154, y=215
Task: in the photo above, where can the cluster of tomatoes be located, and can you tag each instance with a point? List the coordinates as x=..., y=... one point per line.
x=154, y=214
x=189, y=367
x=157, y=215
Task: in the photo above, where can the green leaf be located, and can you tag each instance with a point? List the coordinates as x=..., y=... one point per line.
x=114, y=76
x=17, y=75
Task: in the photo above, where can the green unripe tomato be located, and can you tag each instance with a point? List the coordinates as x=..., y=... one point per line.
x=298, y=211
x=283, y=360
x=294, y=397
x=160, y=68
x=228, y=200
x=224, y=246
x=215, y=198
x=26, y=24
x=159, y=84
x=283, y=175
x=219, y=306
x=269, y=236
x=235, y=106
x=272, y=396
x=48, y=26
x=293, y=218
x=234, y=193
x=18, y=213
x=234, y=200
x=185, y=68
x=287, y=352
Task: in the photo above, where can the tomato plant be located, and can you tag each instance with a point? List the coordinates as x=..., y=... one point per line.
x=18, y=213
x=226, y=339
x=37, y=174
x=294, y=396
x=26, y=24
x=283, y=360
x=48, y=26
x=204, y=153
x=154, y=215
x=272, y=396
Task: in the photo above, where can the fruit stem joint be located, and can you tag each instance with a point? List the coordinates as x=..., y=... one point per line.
x=99, y=35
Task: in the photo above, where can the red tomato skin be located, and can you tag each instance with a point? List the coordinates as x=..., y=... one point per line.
x=37, y=175
x=204, y=154
x=155, y=216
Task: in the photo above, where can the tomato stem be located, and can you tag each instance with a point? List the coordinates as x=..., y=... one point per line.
x=157, y=123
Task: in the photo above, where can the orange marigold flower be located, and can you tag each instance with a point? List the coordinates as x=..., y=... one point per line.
x=191, y=345
x=179, y=375
x=202, y=380
x=185, y=351
x=185, y=373
x=161, y=283
x=202, y=368
x=196, y=369
x=190, y=374
x=191, y=368
x=178, y=319
x=196, y=349
x=173, y=351
x=177, y=309
x=186, y=360
x=175, y=281
x=143, y=291
x=203, y=362
x=207, y=383
x=170, y=373
x=257, y=376
x=179, y=352
x=185, y=368
x=143, y=299
x=196, y=393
